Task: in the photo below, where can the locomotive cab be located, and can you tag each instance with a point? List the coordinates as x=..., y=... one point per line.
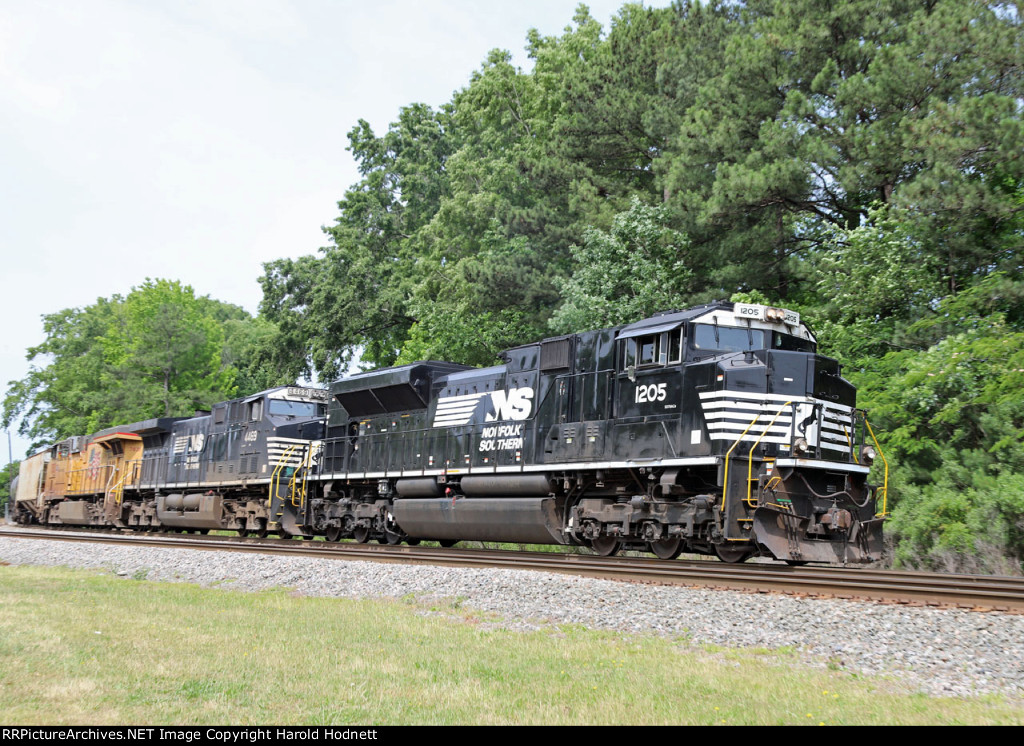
x=746, y=439
x=235, y=466
x=783, y=423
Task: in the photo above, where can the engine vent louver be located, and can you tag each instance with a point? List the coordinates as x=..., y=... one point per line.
x=556, y=354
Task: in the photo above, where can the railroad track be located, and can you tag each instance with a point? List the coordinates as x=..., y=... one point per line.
x=977, y=592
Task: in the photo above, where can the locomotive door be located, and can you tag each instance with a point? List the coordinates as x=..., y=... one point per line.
x=563, y=441
x=249, y=461
x=649, y=393
x=649, y=378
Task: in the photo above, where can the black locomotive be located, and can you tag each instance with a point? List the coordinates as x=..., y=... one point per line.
x=231, y=468
x=716, y=430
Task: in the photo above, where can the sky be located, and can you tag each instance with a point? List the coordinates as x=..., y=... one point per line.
x=194, y=140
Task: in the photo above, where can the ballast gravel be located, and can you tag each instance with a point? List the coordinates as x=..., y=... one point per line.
x=947, y=652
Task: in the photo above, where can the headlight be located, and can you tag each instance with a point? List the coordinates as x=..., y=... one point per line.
x=800, y=446
x=867, y=455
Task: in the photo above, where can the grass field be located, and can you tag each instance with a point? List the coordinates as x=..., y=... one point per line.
x=82, y=648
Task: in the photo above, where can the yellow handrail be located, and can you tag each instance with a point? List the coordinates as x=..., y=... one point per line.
x=885, y=483
x=303, y=468
x=750, y=453
x=116, y=493
x=725, y=476
x=853, y=450
x=131, y=469
x=275, y=478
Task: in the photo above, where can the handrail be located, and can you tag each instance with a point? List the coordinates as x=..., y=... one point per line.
x=86, y=484
x=115, y=493
x=132, y=470
x=725, y=475
x=303, y=468
x=750, y=453
x=275, y=478
x=107, y=487
x=885, y=483
x=849, y=442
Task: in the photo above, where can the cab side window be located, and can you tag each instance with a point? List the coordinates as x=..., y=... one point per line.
x=629, y=354
x=675, y=346
x=650, y=350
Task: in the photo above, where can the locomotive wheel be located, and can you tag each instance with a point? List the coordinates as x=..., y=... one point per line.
x=391, y=538
x=412, y=542
x=667, y=549
x=732, y=555
x=333, y=534
x=361, y=534
x=243, y=532
x=448, y=543
x=261, y=532
x=796, y=563
x=606, y=546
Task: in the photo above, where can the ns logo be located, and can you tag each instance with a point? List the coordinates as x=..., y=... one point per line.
x=514, y=404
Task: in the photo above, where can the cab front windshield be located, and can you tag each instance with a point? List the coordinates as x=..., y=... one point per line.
x=742, y=339
x=727, y=338
x=295, y=408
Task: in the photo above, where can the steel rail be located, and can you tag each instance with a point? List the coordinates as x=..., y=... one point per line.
x=977, y=592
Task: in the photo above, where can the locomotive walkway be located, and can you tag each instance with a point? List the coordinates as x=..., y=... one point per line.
x=973, y=592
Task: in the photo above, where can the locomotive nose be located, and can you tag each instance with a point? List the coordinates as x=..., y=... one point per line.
x=804, y=374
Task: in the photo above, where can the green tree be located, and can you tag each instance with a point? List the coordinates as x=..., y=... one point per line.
x=163, y=353
x=461, y=221
x=949, y=407
x=250, y=348
x=497, y=298
x=353, y=298
x=7, y=473
x=158, y=351
x=822, y=110
x=488, y=260
x=623, y=275
x=623, y=108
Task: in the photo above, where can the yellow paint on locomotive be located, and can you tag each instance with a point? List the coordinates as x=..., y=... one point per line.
x=111, y=462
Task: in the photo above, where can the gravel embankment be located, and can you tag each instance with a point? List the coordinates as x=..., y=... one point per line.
x=947, y=652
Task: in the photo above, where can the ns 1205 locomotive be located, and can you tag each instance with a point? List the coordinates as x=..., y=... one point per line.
x=716, y=430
